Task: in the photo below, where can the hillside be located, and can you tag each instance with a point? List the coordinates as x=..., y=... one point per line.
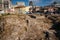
x=29, y=27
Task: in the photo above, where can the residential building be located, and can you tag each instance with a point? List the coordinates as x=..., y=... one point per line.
x=21, y=9
x=5, y=4
x=1, y=5
x=20, y=3
x=57, y=4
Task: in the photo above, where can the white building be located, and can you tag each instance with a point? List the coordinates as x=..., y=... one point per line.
x=5, y=4
x=57, y=3
x=20, y=3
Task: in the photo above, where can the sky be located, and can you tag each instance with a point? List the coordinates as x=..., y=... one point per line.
x=36, y=2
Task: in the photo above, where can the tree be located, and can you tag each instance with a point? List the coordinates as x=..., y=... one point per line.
x=0, y=1
x=54, y=3
x=30, y=3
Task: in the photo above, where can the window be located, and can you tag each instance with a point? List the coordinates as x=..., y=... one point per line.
x=6, y=4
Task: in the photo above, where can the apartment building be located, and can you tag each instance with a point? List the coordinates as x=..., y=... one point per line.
x=5, y=4
x=0, y=4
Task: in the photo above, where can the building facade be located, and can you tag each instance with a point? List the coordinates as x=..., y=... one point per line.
x=20, y=3
x=57, y=4
x=0, y=4
x=5, y=4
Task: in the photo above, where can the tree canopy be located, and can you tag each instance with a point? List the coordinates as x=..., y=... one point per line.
x=0, y=1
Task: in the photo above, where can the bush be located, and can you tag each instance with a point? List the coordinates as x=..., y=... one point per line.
x=5, y=14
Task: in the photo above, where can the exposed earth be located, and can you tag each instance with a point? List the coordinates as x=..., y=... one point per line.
x=30, y=27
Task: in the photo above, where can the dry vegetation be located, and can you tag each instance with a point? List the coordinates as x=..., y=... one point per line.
x=28, y=27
